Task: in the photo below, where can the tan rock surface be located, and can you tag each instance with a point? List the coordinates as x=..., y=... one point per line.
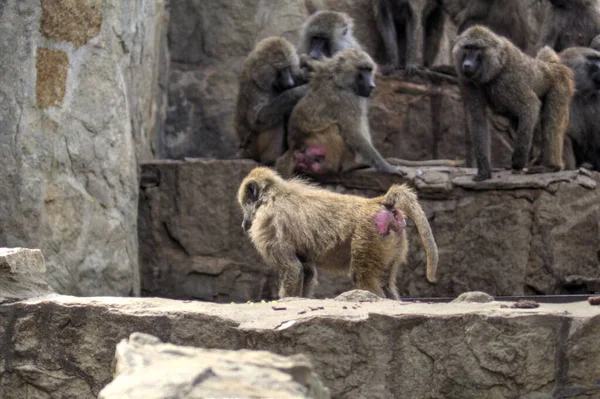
x=143, y=363
x=64, y=346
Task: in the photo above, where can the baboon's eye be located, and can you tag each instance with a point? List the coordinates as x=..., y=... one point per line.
x=252, y=192
x=345, y=31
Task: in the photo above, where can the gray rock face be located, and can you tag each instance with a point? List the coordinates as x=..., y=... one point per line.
x=22, y=274
x=511, y=235
x=78, y=105
x=64, y=347
x=142, y=362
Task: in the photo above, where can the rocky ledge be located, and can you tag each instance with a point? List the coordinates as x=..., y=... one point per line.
x=510, y=235
x=63, y=346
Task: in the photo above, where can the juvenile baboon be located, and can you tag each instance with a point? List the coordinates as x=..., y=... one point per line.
x=269, y=87
x=506, y=18
x=583, y=134
x=569, y=23
x=411, y=31
x=326, y=33
x=328, y=131
x=297, y=227
x=494, y=73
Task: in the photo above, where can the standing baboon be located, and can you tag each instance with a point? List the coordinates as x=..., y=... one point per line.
x=494, y=72
x=583, y=134
x=506, y=18
x=569, y=23
x=326, y=33
x=267, y=93
x=296, y=227
x=411, y=31
x=329, y=126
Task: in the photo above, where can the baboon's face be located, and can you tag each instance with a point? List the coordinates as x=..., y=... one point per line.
x=593, y=70
x=320, y=46
x=285, y=79
x=365, y=81
x=471, y=62
x=250, y=202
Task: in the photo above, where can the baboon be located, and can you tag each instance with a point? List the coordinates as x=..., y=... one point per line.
x=494, y=72
x=326, y=33
x=297, y=227
x=582, y=144
x=411, y=31
x=330, y=125
x=506, y=18
x=569, y=23
x=328, y=131
x=271, y=83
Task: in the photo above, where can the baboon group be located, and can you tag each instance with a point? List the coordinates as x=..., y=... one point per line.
x=304, y=110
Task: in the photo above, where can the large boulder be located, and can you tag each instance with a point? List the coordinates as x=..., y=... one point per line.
x=141, y=362
x=79, y=104
x=22, y=274
x=511, y=235
x=64, y=347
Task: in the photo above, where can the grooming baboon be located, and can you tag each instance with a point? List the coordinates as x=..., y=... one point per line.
x=494, y=72
x=326, y=33
x=583, y=134
x=328, y=131
x=506, y=18
x=569, y=23
x=411, y=31
x=270, y=85
x=297, y=227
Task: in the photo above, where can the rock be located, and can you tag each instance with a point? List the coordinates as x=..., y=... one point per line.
x=142, y=360
x=358, y=296
x=22, y=274
x=517, y=235
x=79, y=106
x=64, y=346
x=474, y=297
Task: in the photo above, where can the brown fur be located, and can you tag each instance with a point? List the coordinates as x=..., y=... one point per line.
x=411, y=31
x=261, y=105
x=297, y=227
x=335, y=27
x=334, y=116
x=527, y=90
x=569, y=23
x=506, y=18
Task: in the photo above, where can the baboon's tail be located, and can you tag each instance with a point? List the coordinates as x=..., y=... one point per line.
x=432, y=162
x=404, y=199
x=546, y=54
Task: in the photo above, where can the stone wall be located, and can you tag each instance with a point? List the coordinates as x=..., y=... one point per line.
x=511, y=235
x=79, y=106
x=63, y=347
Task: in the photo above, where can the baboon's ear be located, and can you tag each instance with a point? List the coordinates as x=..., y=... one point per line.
x=252, y=192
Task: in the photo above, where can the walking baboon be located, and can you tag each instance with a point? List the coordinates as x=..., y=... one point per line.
x=494, y=73
x=569, y=23
x=506, y=18
x=326, y=33
x=297, y=227
x=411, y=31
x=582, y=144
x=271, y=83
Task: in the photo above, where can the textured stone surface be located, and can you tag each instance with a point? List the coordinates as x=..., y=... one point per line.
x=64, y=347
x=142, y=360
x=511, y=235
x=76, y=112
x=22, y=274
